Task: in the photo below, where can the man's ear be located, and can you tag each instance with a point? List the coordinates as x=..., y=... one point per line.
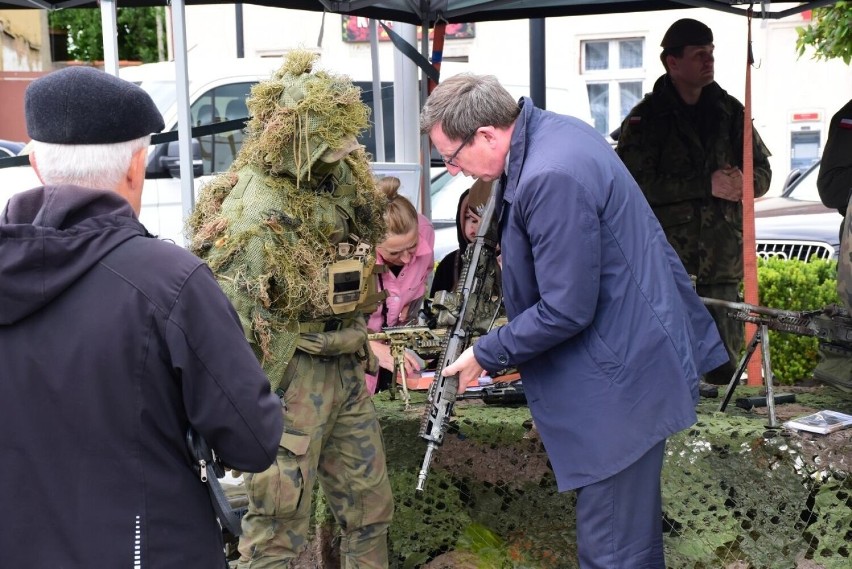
x=490, y=134
x=136, y=172
x=131, y=189
x=33, y=163
x=671, y=63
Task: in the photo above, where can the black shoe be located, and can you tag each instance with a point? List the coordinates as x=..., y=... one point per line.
x=707, y=390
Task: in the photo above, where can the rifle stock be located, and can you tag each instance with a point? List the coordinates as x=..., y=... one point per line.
x=478, y=285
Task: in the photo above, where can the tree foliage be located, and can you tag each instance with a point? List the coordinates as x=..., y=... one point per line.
x=137, y=33
x=830, y=33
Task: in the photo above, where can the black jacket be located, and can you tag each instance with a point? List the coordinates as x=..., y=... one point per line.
x=111, y=344
x=449, y=269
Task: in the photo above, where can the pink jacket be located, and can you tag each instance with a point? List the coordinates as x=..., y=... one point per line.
x=405, y=288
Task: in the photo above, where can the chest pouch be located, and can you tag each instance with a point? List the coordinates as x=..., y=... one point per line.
x=345, y=285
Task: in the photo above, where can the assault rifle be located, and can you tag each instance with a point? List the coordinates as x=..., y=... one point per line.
x=424, y=341
x=831, y=325
x=478, y=287
x=509, y=394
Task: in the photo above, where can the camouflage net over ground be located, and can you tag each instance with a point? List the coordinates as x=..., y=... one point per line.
x=735, y=496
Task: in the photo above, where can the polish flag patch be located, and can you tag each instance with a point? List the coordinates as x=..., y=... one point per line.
x=636, y=120
x=846, y=123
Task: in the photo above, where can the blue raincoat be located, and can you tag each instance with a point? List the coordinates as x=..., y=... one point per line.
x=604, y=325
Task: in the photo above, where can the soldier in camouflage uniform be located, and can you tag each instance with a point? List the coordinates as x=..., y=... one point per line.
x=287, y=231
x=834, y=183
x=683, y=145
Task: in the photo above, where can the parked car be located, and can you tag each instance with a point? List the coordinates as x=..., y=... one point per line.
x=796, y=225
x=445, y=191
x=10, y=148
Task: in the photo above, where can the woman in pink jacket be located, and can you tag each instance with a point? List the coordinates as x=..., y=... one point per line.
x=408, y=256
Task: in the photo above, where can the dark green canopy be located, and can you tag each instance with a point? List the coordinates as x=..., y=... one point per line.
x=419, y=11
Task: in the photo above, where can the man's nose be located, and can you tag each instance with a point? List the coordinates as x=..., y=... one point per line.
x=453, y=169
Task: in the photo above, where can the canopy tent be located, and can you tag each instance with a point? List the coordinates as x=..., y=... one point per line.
x=429, y=11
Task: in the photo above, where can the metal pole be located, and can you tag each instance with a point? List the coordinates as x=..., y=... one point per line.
x=378, y=107
x=110, y=30
x=406, y=102
x=538, y=82
x=425, y=143
x=238, y=14
x=187, y=189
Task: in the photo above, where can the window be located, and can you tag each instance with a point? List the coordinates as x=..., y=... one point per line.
x=613, y=70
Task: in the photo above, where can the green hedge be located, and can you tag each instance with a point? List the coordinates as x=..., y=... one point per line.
x=795, y=285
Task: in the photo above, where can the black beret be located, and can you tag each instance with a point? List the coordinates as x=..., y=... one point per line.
x=82, y=105
x=687, y=32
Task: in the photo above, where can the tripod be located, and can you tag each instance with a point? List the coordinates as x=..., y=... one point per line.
x=761, y=335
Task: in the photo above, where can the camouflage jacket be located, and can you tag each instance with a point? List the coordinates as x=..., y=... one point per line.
x=834, y=181
x=672, y=156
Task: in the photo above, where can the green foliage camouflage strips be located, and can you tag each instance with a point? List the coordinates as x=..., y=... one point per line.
x=270, y=226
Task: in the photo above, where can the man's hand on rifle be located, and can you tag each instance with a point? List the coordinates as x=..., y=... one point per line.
x=467, y=367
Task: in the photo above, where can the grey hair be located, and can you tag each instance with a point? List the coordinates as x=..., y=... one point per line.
x=101, y=166
x=466, y=102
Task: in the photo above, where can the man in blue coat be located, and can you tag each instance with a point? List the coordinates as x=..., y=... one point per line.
x=604, y=324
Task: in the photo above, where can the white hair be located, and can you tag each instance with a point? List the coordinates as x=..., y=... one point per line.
x=101, y=166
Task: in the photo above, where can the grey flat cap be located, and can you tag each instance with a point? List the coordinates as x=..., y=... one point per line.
x=82, y=105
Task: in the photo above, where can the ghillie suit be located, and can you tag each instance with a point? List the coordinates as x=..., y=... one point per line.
x=289, y=232
x=269, y=228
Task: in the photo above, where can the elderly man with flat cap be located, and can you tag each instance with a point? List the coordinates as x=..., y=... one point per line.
x=112, y=344
x=683, y=143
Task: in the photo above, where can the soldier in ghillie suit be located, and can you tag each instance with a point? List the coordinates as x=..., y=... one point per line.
x=683, y=145
x=288, y=233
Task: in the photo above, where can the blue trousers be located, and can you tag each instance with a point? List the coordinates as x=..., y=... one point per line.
x=619, y=519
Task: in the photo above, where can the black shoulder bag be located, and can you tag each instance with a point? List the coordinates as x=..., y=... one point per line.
x=209, y=468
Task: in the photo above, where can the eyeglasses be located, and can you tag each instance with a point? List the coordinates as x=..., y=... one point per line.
x=451, y=160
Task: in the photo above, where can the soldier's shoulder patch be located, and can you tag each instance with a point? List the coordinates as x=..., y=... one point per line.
x=634, y=120
x=846, y=123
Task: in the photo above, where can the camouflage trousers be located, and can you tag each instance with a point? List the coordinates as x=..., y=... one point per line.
x=732, y=331
x=331, y=433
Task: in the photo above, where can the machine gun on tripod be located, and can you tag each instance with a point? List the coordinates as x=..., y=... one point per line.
x=831, y=325
x=422, y=340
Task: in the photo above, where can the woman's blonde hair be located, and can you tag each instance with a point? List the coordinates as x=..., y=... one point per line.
x=400, y=215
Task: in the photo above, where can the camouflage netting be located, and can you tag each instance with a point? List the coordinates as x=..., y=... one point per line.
x=270, y=226
x=736, y=495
